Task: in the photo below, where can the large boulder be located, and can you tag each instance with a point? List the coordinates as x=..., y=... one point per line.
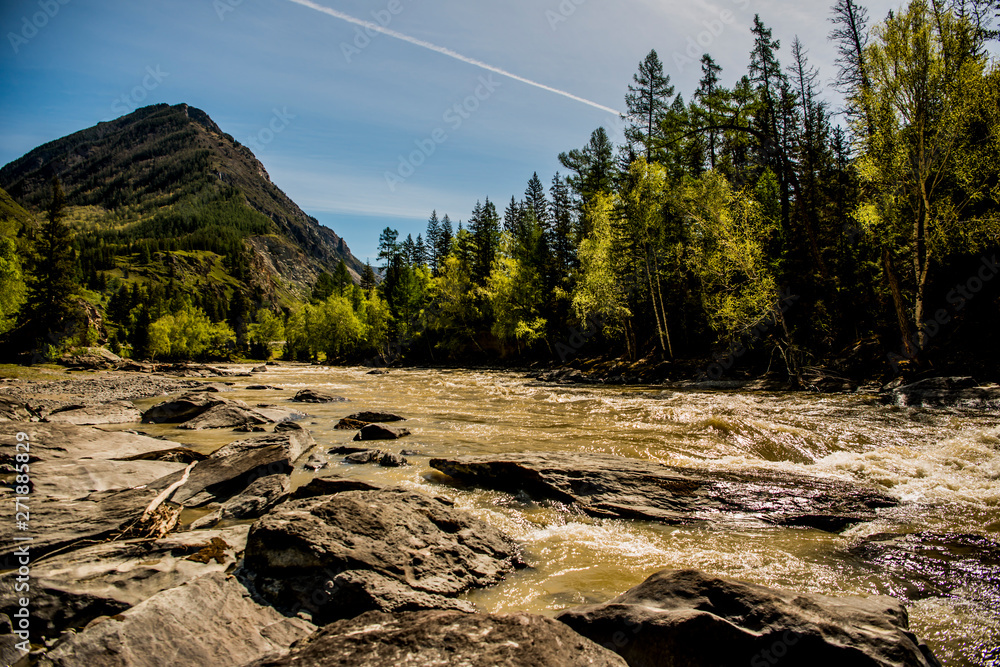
x=691, y=619
x=329, y=485
x=614, y=487
x=71, y=589
x=91, y=359
x=209, y=621
x=437, y=638
x=189, y=406
x=313, y=396
x=296, y=552
x=225, y=416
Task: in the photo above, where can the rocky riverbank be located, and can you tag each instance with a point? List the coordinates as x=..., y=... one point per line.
x=147, y=552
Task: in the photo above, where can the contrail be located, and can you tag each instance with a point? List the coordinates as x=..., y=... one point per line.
x=447, y=52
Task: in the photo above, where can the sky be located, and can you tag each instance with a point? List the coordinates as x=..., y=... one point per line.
x=444, y=104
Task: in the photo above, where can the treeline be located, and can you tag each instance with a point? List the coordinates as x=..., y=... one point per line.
x=746, y=221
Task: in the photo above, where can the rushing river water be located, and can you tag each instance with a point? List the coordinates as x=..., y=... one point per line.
x=944, y=465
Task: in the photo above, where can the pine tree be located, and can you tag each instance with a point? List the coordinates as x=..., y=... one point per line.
x=594, y=166
x=433, y=240
x=484, y=225
x=420, y=251
x=648, y=101
x=444, y=240
x=51, y=284
x=342, y=278
x=709, y=97
x=368, y=279
x=563, y=239
x=535, y=202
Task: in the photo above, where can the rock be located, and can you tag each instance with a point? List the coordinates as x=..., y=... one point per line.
x=295, y=551
x=330, y=485
x=71, y=589
x=291, y=437
x=384, y=459
x=175, y=455
x=66, y=521
x=259, y=369
x=380, y=432
x=347, y=424
x=250, y=428
x=610, y=486
x=953, y=392
x=219, y=478
x=185, y=408
x=312, y=396
x=437, y=638
x=13, y=411
x=256, y=499
x=347, y=449
x=263, y=387
x=689, y=618
x=376, y=417
x=91, y=358
x=377, y=371
x=71, y=462
x=114, y=412
x=209, y=621
x=225, y=416
x=917, y=566
x=215, y=387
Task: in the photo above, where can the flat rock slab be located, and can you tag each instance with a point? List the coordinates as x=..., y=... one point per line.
x=917, y=566
x=67, y=441
x=71, y=589
x=114, y=412
x=62, y=522
x=296, y=551
x=613, y=487
x=219, y=478
x=187, y=407
x=691, y=619
x=437, y=638
x=13, y=411
x=209, y=621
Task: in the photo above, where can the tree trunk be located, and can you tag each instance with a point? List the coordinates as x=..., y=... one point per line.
x=652, y=297
x=902, y=318
x=659, y=293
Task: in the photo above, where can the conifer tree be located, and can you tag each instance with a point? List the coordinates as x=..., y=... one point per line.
x=648, y=101
x=51, y=284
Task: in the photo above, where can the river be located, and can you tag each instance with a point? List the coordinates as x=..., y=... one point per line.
x=944, y=465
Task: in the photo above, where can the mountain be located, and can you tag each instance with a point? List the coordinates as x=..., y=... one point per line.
x=164, y=190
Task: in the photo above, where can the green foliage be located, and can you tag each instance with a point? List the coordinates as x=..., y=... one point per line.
x=189, y=334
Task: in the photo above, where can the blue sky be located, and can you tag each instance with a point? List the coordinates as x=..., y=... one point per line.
x=352, y=106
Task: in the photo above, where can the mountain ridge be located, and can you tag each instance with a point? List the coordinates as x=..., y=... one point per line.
x=167, y=172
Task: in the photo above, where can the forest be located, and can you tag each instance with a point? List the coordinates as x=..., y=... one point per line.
x=750, y=225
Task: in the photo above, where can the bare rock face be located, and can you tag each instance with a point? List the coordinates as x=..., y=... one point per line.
x=436, y=638
x=690, y=619
x=614, y=487
x=209, y=621
x=296, y=552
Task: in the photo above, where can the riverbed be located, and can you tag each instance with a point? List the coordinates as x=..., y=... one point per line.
x=943, y=464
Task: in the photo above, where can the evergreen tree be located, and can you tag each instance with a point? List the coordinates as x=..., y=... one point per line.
x=368, y=279
x=420, y=251
x=433, y=240
x=444, y=240
x=484, y=226
x=648, y=101
x=563, y=239
x=710, y=97
x=535, y=202
x=342, y=279
x=51, y=285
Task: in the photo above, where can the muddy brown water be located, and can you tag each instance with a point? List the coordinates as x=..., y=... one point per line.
x=944, y=465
